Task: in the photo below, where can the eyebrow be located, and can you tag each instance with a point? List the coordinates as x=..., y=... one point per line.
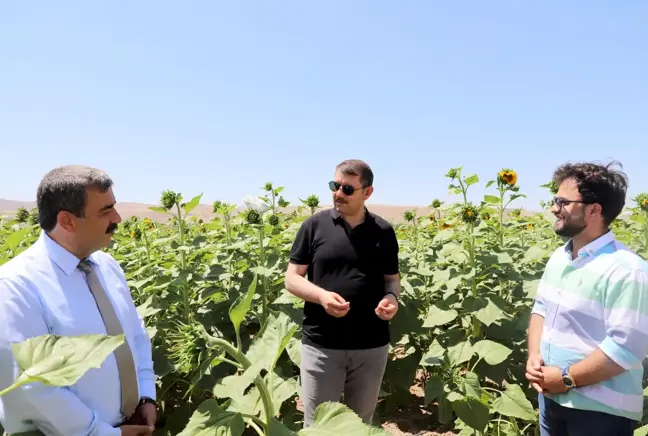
x=107, y=207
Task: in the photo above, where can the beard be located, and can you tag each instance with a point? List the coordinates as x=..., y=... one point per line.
x=569, y=227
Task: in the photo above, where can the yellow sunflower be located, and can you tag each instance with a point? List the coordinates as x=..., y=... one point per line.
x=507, y=177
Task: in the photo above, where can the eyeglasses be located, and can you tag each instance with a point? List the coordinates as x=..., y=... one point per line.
x=560, y=202
x=346, y=189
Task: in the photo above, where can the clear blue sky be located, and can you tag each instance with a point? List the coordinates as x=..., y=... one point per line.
x=220, y=97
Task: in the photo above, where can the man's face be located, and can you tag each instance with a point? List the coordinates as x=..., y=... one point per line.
x=571, y=218
x=94, y=231
x=353, y=203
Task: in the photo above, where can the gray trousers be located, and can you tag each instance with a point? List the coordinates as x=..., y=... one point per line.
x=326, y=374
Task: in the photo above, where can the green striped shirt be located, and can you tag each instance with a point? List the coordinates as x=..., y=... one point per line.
x=598, y=300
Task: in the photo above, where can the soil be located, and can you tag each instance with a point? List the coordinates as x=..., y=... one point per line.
x=414, y=420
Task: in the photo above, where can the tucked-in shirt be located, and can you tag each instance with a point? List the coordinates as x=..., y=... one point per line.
x=43, y=292
x=598, y=300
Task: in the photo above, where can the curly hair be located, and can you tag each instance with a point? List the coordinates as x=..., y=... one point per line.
x=598, y=184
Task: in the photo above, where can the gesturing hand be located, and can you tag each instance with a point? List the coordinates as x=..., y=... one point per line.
x=387, y=307
x=334, y=304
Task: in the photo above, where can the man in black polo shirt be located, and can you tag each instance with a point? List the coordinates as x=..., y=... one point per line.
x=351, y=258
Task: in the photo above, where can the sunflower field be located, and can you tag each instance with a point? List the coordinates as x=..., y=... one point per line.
x=226, y=333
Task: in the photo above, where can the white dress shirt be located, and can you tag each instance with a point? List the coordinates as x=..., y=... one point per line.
x=43, y=292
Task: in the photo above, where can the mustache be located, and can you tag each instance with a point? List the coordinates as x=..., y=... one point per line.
x=111, y=228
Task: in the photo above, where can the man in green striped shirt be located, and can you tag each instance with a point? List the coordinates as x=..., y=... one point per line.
x=588, y=332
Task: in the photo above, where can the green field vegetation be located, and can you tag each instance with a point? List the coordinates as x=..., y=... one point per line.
x=226, y=334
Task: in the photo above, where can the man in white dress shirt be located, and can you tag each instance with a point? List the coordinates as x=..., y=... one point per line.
x=47, y=289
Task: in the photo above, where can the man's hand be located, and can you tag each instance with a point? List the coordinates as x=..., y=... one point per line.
x=334, y=304
x=534, y=372
x=144, y=415
x=137, y=430
x=387, y=307
x=552, y=380
x=147, y=414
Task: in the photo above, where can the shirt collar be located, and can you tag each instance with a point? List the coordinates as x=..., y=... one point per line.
x=593, y=247
x=65, y=260
x=336, y=215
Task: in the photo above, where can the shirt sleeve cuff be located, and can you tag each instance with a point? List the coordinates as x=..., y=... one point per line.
x=539, y=309
x=147, y=389
x=618, y=354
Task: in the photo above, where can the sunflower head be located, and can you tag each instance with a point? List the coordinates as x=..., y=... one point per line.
x=253, y=216
x=169, y=199
x=135, y=233
x=642, y=201
x=273, y=220
x=409, y=216
x=469, y=213
x=507, y=177
x=486, y=216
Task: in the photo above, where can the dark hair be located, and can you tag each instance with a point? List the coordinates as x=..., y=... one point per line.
x=65, y=189
x=597, y=184
x=356, y=167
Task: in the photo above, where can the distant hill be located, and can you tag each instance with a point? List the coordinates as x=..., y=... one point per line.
x=141, y=210
x=126, y=210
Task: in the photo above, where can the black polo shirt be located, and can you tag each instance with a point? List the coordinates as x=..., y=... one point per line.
x=351, y=262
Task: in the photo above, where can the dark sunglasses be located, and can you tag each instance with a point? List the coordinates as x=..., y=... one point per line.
x=560, y=202
x=346, y=189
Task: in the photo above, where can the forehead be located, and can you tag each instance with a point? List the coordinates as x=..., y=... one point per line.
x=569, y=190
x=346, y=179
x=100, y=200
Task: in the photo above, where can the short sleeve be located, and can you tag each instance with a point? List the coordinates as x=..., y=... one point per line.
x=391, y=248
x=301, y=252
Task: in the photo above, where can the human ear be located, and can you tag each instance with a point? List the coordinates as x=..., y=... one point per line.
x=595, y=210
x=66, y=221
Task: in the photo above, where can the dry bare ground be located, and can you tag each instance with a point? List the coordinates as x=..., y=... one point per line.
x=414, y=420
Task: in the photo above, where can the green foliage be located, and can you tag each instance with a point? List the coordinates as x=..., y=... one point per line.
x=226, y=335
x=60, y=361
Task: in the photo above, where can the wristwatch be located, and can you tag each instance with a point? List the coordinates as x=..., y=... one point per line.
x=394, y=294
x=145, y=400
x=567, y=379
